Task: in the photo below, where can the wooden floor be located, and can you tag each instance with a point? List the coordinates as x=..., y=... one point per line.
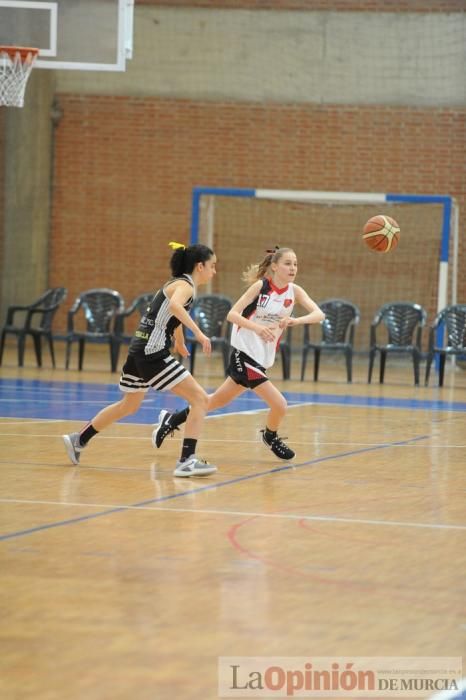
x=119, y=581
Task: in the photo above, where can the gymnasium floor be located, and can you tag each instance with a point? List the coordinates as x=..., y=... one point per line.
x=120, y=581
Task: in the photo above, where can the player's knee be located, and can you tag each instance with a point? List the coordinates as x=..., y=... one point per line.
x=129, y=405
x=200, y=399
x=282, y=406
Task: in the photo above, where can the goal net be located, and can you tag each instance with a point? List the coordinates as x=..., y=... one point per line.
x=325, y=230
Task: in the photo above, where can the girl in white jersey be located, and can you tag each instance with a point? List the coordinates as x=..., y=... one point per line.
x=259, y=319
x=150, y=365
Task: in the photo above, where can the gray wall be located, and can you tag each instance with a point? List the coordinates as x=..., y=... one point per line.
x=319, y=57
x=26, y=215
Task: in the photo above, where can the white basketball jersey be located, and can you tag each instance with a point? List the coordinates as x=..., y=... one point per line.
x=268, y=308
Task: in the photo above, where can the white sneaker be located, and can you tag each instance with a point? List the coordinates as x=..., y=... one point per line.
x=194, y=467
x=72, y=446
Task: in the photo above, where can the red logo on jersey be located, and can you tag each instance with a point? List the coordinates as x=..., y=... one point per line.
x=287, y=303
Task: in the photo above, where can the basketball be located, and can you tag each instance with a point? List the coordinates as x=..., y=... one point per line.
x=381, y=233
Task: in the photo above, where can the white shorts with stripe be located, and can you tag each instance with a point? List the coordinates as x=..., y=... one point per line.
x=142, y=374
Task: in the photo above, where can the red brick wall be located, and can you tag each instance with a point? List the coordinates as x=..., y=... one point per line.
x=335, y=5
x=125, y=169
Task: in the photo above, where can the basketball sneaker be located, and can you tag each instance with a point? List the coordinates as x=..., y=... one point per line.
x=164, y=428
x=73, y=446
x=278, y=447
x=194, y=467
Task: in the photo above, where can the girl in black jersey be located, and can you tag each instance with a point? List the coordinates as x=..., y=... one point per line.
x=259, y=318
x=150, y=365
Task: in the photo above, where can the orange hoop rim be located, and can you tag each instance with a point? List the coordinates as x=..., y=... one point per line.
x=23, y=51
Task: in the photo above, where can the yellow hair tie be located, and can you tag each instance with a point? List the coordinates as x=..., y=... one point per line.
x=174, y=245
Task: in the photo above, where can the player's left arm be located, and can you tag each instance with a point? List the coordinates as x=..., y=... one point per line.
x=179, y=345
x=314, y=315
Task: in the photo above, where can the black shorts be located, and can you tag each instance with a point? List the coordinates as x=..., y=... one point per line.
x=246, y=371
x=141, y=373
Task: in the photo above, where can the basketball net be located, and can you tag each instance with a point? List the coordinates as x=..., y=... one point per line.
x=16, y=63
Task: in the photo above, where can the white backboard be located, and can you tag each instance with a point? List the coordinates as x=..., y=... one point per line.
x=71, y=34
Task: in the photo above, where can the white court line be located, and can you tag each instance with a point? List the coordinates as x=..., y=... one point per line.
x=45, y=401
x=320, y=443
x=235, y=513
x=37, y=421
x=237, y=413
x=256, y=410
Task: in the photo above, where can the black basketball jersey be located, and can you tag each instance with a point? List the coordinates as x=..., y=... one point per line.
x=156, y=327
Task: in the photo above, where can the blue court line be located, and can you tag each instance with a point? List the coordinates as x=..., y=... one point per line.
x=209, y=487
x=24, y=398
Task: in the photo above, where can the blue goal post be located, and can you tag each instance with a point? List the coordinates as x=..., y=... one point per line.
x=449, y=225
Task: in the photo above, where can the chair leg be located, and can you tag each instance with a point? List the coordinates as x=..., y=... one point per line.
x=21, y=344
x=2, y=345
x=192, y=357
x=226, y=358
x=51, y=348
x=114, y=354
x=303, y=362
x=430, y=357
x=81, y=353
x=383, y=357
x=371, y=365
x=285, y=353
x=288, y=363
x=68, y=353
x=316, y=363
x=441, y=368
x=416, y=367
x=116, y=359
x=38, y=349
x=349, y=365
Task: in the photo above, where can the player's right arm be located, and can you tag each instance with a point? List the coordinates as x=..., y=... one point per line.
x=235, y=314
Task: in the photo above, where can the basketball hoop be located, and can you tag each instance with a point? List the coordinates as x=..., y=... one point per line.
x=15, y=67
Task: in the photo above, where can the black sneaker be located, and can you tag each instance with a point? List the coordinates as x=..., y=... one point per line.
x=164, y=429
x=278, y=447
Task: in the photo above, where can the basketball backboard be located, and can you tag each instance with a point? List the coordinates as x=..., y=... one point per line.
x=71, y=34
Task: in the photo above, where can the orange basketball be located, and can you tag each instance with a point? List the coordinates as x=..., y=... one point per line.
x=381, y=233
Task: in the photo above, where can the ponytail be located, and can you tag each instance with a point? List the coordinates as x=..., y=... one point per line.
x=184, y=260
x=259, y=270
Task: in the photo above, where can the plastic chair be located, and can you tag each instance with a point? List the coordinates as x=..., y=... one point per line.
x=99, y=308
x=138, y=306
x=453, y=320
x=341, y=317
x=37, y=323
x=209, y=312
x=403, y=322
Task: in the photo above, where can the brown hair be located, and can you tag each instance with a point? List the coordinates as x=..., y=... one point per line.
x=259, y=270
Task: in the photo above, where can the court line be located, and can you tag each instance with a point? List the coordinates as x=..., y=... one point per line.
x=145, y=438
x=237, y=513
x=142, y=438
x=102, y=393
x=209, y=487
x=37, y=421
